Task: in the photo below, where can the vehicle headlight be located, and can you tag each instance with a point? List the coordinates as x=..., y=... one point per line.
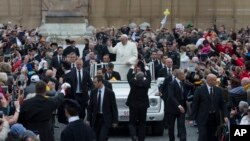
x=153, y=102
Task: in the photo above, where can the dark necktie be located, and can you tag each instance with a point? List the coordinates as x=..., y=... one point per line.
x=182, y=90
x=79, y=79
x=73, y=65
x=211, y=91
x=99, y=101
x=169, y=71
x=212, y=98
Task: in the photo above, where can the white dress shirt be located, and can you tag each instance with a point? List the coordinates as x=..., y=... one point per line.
x=59, y=57
x=73, y=118
x=208, y=87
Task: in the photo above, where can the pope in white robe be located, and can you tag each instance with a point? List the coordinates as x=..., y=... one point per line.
x=126, y=55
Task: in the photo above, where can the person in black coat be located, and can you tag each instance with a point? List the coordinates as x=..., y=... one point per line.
x=58, y=59
x=81, y=85
x=207, y=109
x=105, y=82
x=102, y=109
x=110, y=73
x=70, y=48
x=176, y=106
x=76, y=130
x=163, y=89
x=167, y=69
x=36, y=113
x=66, y=78
x=138, y=101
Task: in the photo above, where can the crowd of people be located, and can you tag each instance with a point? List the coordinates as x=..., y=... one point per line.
x=41, y=80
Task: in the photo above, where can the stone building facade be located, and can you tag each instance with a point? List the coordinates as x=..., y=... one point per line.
x=201, y=13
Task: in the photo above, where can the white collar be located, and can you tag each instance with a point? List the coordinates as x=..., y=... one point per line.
x=102, y=89
x=67, y=71
x=73, y=118
x=208, y=87
x=178, y=80
x=79, y=70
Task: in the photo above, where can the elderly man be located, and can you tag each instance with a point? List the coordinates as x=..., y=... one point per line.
x=245, y=82
x=242, y=90
x=208, y=107
x=126, y=51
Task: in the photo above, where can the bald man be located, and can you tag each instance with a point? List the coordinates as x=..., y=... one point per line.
x=176, y=106
x=126, y=51
x=81, y=84
x=245, y=83
x=167, y=70
x=207, y=107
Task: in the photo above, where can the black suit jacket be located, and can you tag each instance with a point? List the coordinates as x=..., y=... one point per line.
x=70, y=49
x=60, y=111
x=175, y=96
x=138, y=95
x=68, y=79
x=113, y=74
x=164, y=87
x=55, y=62
x=36, y=115
x=86, y=84
x=163, y=72
x=109, y=108
x=77, y=131
x=157, y=70
x=107, y=84
x=202, y=103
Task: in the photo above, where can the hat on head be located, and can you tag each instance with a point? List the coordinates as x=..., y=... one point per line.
x=17, y=129
x=124, y=36
x=29, y=133
x=34, y=78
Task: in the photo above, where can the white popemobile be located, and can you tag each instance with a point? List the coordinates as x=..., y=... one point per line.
x=155, y=112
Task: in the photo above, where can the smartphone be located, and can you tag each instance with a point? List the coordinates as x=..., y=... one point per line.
x=1, y=114
x=5, y=89
x=19, y=83
x=7, y=57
